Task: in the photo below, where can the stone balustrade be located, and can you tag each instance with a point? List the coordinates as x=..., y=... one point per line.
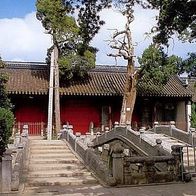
x=13, y=164
x=119, y=157
x=171, y=130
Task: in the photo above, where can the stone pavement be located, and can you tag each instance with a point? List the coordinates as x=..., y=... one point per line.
x=174, y=189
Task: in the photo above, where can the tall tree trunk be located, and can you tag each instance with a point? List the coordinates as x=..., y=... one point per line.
x=129, y=96
x=56, y=91
x=50, y=98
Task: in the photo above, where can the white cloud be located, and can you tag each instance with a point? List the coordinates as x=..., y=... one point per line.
x=144, y=21
x=23, y=39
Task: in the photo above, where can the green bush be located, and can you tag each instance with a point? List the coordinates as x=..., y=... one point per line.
x=6, y=124
x=193, y=115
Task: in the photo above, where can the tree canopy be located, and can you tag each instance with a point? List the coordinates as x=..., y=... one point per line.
x=4, y=100
x=156, y=65
x=76, y=57
x=175, y=17
x=189, y=65
x=6, y=115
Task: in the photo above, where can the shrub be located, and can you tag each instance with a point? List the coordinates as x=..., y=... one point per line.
x=6, y=124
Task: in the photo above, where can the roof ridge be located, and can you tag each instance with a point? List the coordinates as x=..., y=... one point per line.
x=25, y=65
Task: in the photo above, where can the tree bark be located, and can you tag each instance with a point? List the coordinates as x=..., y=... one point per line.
x=129, y=96
x=56, y=92
x=50, y=98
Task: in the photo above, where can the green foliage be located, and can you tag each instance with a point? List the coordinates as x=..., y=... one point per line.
x=157, y=66
x=76, y=66
x=76, y=57
x=175, y=17
x=6, y=124
x=4, y=101
x=6, y=116
x=55, y=19
x=2, y=64
x=189, y=65
x=193, y=115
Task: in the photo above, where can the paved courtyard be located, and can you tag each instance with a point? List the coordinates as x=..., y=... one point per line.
x=178, y=189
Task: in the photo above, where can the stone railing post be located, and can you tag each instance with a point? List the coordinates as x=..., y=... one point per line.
x=141, y=131
x=155, y=126
x=6, y=172
x=64, y=132
x=24, y=144
x=78, y=134
x=118, y=163
x=69, y=131
x=192, y=136
x=178, y=157
x=17, y=139
x=179, y=172
x=172, y=125
x=116, y=124
x=159, y=146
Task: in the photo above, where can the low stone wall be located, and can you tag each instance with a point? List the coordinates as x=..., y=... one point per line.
x=13, y=164
x=120, y=157
x=81, y=145
x=133, y=140
x=171, y=130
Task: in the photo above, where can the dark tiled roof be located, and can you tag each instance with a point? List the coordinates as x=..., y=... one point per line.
x=24, y=78
x=32, y=78
x=98, y=84
x=174, y=88
x=191, y=85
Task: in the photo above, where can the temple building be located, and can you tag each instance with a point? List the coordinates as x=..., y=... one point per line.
x=94, y=101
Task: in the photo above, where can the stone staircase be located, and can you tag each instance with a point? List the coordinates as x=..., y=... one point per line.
x=52, y=163
x=189, y=153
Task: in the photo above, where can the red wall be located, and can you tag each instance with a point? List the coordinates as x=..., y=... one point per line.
x=30, y=113
x=31, y=110
x=79, y=113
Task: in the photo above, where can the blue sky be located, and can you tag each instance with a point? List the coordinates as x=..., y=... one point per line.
x=24, y=39
x=16, y=8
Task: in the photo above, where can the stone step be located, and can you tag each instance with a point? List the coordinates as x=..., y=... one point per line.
x=62, y=181
x=55, y=161
x=53, y=156
x=59, y=173
x=48, y=147
x=45, y=167
x=46, y=141
x=50, y=151
x=48, y=144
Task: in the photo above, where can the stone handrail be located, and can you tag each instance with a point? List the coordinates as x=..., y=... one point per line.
x=171, y=130
x=113, y=166
x=13, y=164
x=82, y=145
x=132, y=139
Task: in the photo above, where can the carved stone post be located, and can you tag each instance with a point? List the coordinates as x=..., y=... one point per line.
x=17, y=139
x=155, y=126
x=118, y=163
x=172, y=125
x=78, y=134
x=178, y=156
x=6, y=173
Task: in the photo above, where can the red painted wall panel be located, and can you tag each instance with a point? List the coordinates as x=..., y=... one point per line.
x=80, y=113
x=31, y=111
